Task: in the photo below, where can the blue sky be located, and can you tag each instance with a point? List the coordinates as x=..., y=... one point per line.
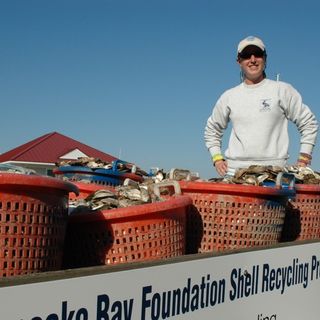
x=138, y=79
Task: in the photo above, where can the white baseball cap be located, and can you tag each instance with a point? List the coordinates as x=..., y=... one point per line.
x=251, y=41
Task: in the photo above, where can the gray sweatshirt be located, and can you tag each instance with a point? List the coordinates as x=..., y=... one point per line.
x=259, y=115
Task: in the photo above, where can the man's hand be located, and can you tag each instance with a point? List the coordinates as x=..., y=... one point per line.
x=301, y=164
x=304, y=160
x=221, y=167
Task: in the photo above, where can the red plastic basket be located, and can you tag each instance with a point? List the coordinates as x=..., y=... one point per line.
x=33, y=219
x=138, y=233
x=227, y=216
x=303, y=216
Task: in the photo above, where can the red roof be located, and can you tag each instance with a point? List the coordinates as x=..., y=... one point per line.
x=49, y=148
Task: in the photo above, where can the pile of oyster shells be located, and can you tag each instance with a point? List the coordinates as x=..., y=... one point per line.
x=260, y=175
x=133, y=193
x=130, y=194
x=10, y=168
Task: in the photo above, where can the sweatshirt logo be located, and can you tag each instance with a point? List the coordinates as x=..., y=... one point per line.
x=265, y=105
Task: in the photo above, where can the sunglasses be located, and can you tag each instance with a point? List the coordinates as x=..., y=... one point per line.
x=246, y=54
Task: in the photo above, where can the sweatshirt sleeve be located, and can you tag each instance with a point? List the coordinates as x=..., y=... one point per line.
x=216, y=125
x=301, y=115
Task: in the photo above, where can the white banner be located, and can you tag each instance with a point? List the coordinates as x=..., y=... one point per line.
x=272, y=284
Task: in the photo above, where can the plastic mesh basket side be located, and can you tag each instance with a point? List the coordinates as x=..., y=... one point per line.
x=33, y=219
x=303, y=215
x=138, y=233
x=225, y=217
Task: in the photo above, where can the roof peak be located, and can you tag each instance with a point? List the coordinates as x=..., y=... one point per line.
x=49, y=148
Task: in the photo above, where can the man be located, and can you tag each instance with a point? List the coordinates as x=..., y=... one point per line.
x=259, y=110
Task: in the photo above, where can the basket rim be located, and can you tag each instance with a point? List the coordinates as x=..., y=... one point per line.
x=98, y=172
x=17, y=180
x=234, y=189
x=88, y=187
x=308, y=188
x=174, y=202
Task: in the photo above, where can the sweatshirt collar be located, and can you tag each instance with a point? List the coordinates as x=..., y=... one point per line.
x=253, y=86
